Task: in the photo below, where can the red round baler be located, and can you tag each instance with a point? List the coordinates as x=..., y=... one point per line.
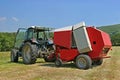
x=83, y=45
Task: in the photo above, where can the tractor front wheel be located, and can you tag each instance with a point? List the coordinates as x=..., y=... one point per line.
x=14, y=55
x=83, y=62
x=50, y=58
x=29, y=52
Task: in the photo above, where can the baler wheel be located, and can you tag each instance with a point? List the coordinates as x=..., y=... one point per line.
x=99, y=62
x=83, y=62
x=58, y=62
x=14, y=55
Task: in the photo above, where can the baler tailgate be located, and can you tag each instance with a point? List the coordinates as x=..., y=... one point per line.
x=81, y=38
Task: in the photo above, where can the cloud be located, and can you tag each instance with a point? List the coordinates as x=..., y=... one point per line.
x=15, y=19
x=3, y=19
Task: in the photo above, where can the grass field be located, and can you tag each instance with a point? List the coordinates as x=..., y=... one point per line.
x=109, y=70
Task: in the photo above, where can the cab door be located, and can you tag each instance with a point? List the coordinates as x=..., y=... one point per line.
x=20, y=37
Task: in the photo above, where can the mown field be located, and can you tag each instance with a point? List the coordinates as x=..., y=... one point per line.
x=109, y=70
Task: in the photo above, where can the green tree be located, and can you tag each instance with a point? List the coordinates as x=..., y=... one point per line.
x=115, y=38
x=6, y=41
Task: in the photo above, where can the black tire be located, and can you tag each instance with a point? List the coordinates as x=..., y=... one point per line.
x=83, y=62
x=29, y=53
x=46, y=59
x=98, y=62
x=50, y=58
x=14, y=55
x=58, y=62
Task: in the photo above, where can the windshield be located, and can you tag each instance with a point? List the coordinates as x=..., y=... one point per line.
x=40, y=35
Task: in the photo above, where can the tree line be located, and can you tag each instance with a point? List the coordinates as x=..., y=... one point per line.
x=7, y=40
x=115, y=38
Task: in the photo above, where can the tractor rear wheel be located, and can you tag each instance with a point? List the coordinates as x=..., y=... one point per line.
x=14, y=55
x=83, y=62
x=29, y=53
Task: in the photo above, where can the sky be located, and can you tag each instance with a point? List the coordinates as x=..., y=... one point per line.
x=15, y=14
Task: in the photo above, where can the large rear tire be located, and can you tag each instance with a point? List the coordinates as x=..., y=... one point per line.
x=14, y=55
x=83, y=62
x=29, y=53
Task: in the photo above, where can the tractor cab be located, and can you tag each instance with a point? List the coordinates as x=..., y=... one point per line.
x=37, y=35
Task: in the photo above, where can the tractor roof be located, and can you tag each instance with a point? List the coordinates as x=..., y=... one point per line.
x=38, y=28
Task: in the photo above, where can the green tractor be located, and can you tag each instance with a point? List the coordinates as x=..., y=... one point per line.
x=32, y=43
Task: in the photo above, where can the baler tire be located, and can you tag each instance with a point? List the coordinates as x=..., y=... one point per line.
x=29, y=53
x=99, y=62
x=83, y=61
x=14, y=55
x=58, y=62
